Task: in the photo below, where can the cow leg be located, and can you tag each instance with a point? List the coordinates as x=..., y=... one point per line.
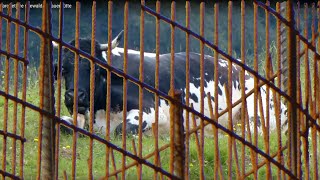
x=65, y=129
x=132, y=122
x=100, y=121
x=81, y=119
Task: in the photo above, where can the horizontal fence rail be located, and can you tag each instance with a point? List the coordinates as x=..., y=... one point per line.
x=162, y=115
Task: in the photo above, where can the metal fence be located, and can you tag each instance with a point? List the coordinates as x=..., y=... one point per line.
x=235, y=151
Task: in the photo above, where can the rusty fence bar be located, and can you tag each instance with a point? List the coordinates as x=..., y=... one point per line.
x=305, y=110
x=287, y=23
x=75, y=84
x=125, y=88
x=86, y=133
x=15, y=76
x=254, y=73
x=202, y=93
x=46, y=125
x=292, y=89
x=179, y=147
x=218, y=168
x=306, y=93
x=242, y=84
x=314, y=97
x=5, y=133
x=254, y=157
x=192, y=34
x=141, y=95
x=58, y=89
x=299, y=99
x=92, y=87
x=187, y=117
x=317, y=86
x=171, y=93
x=108, y=104
x=6, y=102
x=268, y=64
x=157, y=99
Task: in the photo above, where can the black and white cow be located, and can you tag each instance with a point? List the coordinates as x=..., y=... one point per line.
x=132, y=122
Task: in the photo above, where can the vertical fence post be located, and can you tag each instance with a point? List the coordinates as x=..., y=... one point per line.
x=47, y=97
x=292, y=90
x=178, y=136
x=171, y=92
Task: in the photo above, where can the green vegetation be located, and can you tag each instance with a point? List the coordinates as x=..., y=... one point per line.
x=99, y=149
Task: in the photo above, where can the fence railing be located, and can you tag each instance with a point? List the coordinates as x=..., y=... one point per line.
x=242, y=146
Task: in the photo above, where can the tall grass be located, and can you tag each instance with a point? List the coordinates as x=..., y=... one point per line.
x=99, y=149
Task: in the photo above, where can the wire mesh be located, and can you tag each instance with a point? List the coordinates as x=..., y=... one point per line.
x=238, y=148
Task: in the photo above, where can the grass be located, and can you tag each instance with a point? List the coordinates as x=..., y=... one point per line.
x=99, y=149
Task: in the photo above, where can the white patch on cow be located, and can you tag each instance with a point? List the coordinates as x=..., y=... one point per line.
x=149, y=117
x=67, y=118
x=164, y=124
x=116, y=51
x=234, y=67
x=222, y=104
x=100, y=121
x=80, y=120
x=117, y=118
x=223, y=63
x=104, y=55
x=249, y=83
x=164, y=109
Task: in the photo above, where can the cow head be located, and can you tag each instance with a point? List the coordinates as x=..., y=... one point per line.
x=68, y=58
